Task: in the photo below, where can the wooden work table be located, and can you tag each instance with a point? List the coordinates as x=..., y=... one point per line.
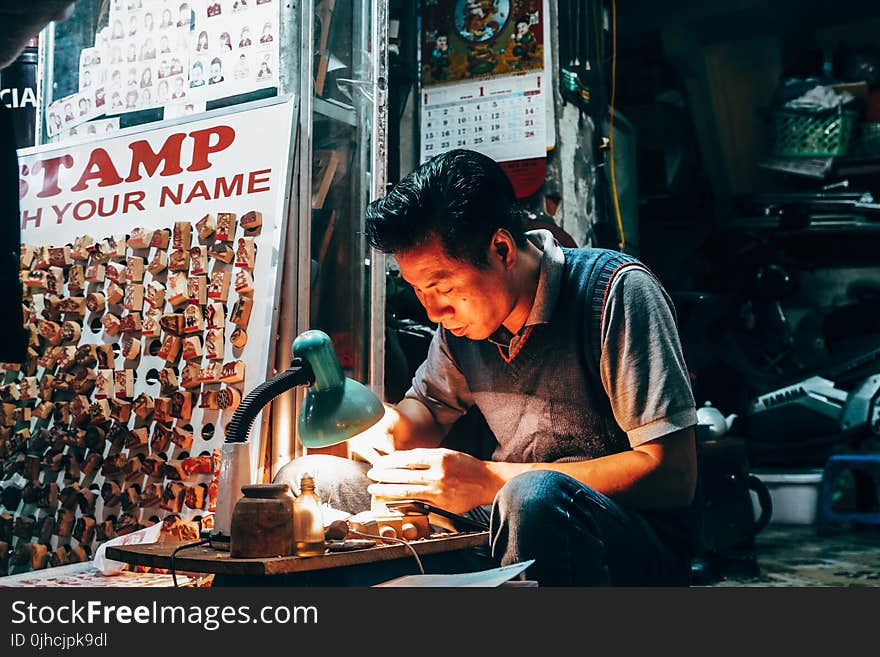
x=205, y=559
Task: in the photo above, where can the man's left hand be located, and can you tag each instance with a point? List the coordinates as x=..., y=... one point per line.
x=451, y=480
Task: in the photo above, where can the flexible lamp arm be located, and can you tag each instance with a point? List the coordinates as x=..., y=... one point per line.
x=299, y=374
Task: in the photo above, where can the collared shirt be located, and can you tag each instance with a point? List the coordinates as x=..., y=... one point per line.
x=641, y=366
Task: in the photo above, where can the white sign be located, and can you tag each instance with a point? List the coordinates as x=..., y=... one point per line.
x=136, y=202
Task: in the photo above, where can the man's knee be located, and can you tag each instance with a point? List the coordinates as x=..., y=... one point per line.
x=540, y=495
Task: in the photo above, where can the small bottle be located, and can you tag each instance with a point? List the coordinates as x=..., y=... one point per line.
x=308, y=527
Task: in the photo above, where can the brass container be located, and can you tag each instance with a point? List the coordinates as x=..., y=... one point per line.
x=262, y=522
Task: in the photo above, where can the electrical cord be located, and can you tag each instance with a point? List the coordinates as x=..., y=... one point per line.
x=204, y=541
x=394, y=540
x=611, y=123
x=174, y=552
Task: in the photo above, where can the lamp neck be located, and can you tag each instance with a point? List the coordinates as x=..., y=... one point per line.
x=299, y=374
x=316, y=348
x=327, y=375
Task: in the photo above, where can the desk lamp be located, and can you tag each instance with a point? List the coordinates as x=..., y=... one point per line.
x=335, y=409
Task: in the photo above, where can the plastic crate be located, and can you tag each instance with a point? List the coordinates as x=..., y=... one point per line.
x=801, y=134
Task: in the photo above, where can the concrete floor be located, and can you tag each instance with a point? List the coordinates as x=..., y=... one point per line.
x=796, y=555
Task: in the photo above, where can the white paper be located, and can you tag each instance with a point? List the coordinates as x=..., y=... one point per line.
x=153, y=52
x=109, y=566
x=483, y=578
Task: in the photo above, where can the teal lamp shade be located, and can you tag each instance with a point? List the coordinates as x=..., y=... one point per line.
x=335, y=407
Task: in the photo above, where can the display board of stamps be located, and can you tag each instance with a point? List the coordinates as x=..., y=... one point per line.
x=144, y=336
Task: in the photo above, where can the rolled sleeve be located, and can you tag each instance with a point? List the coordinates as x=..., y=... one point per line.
x=642, y=365
x=440, y=385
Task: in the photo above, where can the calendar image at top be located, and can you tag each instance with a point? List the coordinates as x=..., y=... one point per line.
x=468, y=39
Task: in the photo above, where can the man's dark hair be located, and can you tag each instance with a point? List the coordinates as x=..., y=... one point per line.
x=461, y=196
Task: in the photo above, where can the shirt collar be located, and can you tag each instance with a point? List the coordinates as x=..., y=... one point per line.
x=552, y=263
x=549, y=280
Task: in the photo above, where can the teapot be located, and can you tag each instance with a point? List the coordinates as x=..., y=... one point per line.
x=716, y=421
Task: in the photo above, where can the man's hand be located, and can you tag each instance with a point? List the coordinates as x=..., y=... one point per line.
x=451, y=480
x=377, y=440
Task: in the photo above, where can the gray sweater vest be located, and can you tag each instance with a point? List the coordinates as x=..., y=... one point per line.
x=547, y=403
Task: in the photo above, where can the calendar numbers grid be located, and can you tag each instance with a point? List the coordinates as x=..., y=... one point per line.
x=504, y=118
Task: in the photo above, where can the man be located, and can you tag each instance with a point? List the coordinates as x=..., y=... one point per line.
x=22, y=21
x=216, y=71
x=241, y=67
x=439, y=61
x=573, y=358
x=179, y=92
x=525, y=44
x=197, y=75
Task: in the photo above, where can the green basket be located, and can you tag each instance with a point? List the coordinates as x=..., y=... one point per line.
x=801, y=134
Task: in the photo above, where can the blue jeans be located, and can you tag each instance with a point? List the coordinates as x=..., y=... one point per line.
x=576, y=535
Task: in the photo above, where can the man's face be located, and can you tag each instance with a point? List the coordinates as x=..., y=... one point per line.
x=468, y=301
x=215, y=70
x=442, y=43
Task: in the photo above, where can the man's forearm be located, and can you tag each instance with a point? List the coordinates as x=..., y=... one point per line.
x=416, y=427
x=661, y=474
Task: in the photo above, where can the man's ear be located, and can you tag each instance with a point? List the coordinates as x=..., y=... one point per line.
x=503, y=247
